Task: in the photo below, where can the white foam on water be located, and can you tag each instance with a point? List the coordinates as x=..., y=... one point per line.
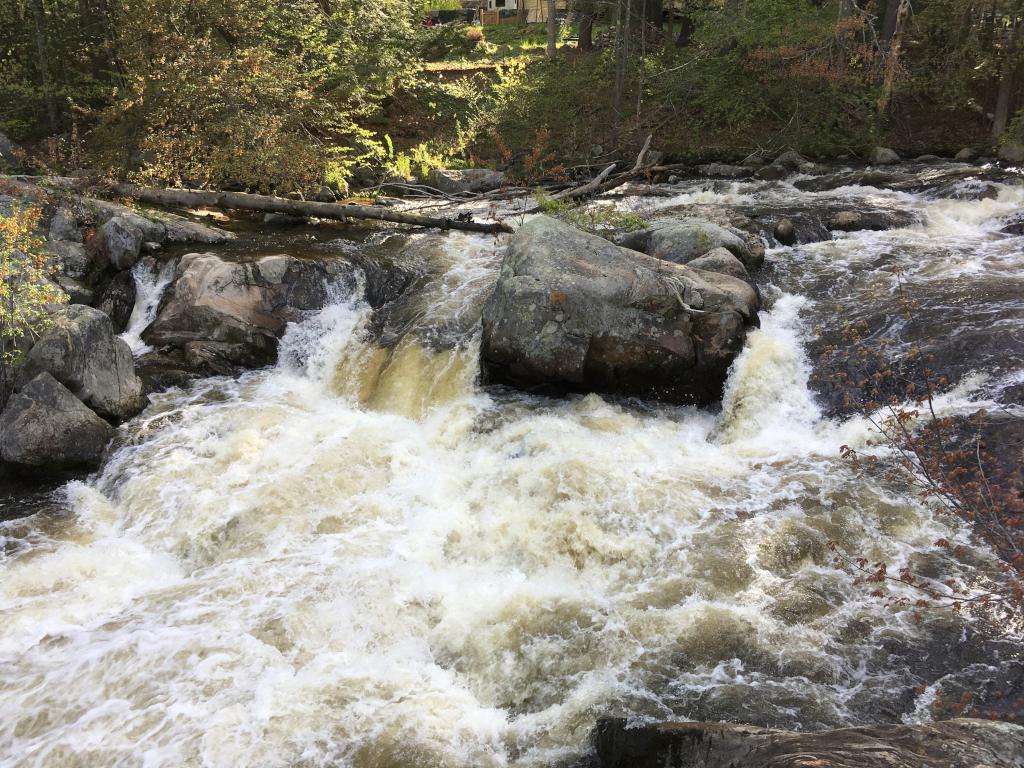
x=362, y=558
x=150, y=285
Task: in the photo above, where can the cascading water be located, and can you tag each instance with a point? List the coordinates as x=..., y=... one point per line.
x=150, y=285
x=361, y=557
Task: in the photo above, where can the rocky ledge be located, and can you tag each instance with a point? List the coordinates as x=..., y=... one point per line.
x=574, y=312
x=960, y=743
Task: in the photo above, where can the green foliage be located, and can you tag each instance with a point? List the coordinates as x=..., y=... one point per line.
x=596, y=219
x=26, y=294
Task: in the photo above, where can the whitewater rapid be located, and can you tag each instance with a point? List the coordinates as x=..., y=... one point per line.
x=361, y=557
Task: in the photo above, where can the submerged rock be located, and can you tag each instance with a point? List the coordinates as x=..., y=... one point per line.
x=952, y=744
x=81, y=351
x=243, y=306
x=45, y=426
x=574, y=312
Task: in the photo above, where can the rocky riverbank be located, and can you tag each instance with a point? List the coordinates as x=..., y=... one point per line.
x=621, y=555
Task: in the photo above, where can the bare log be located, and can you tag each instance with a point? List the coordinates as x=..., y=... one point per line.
x=590, y=186
x=190, y=198
x=638, y=166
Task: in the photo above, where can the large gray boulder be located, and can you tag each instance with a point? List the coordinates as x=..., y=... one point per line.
x=959, y=743
x=470, y=180
x=1012, y=152
x=70, y=258
x=120, y=241
x=574, y=312
x=722, y=261
x=242, y=306
x=185, y=231
x=64, y=226
x=681, y=240
x=884, y=156
x=791, y=160
x=724, y=171
x=81, y=351
x=45, y=426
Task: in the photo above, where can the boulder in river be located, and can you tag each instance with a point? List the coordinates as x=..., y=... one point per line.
x=884, y=156
x=45, y=426
x=117, y=299
x=470, y=180
x=955, y=743
x=683, y=239
x=791, y=160
x=724, y=171
x=785, y=232
x=772, y=172
x=574, y=312
x=846, y=221
x=120, y=242
x=81, y=351
x=965, y=155
x=722, y=261
x=244, y=306
x=1012, y=152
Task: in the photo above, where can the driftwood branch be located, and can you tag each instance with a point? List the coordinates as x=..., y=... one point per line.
x=638, y=166
x=590, y=186
x=269, y=204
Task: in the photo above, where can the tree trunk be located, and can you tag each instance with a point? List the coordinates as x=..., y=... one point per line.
x=587, y=25
x=654, y=13
x=42, y=53
x=892, y=58
x=552, y=31
x=1001, y=115
x=686, y=26
x=269, y=204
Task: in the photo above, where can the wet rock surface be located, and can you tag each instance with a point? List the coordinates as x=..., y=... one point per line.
x=81, y=351
x=573, y=312
x=45, y=427
x=959, y=743
x=241, y=307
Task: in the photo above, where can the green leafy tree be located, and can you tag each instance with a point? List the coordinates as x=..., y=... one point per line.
x=26, y=293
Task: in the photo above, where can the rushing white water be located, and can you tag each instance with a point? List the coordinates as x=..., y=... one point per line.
x=363, y=558
x=150, y=285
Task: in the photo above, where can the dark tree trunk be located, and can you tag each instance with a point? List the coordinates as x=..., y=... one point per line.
x=43, y=62
x=687, y=27
x=552, y=31
x=587, y=27
x=889, y=23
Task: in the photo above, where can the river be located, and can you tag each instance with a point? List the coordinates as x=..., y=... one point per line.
x=362, y=557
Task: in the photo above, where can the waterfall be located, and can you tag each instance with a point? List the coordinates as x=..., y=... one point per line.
x=363, y=557
x=150, y=285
